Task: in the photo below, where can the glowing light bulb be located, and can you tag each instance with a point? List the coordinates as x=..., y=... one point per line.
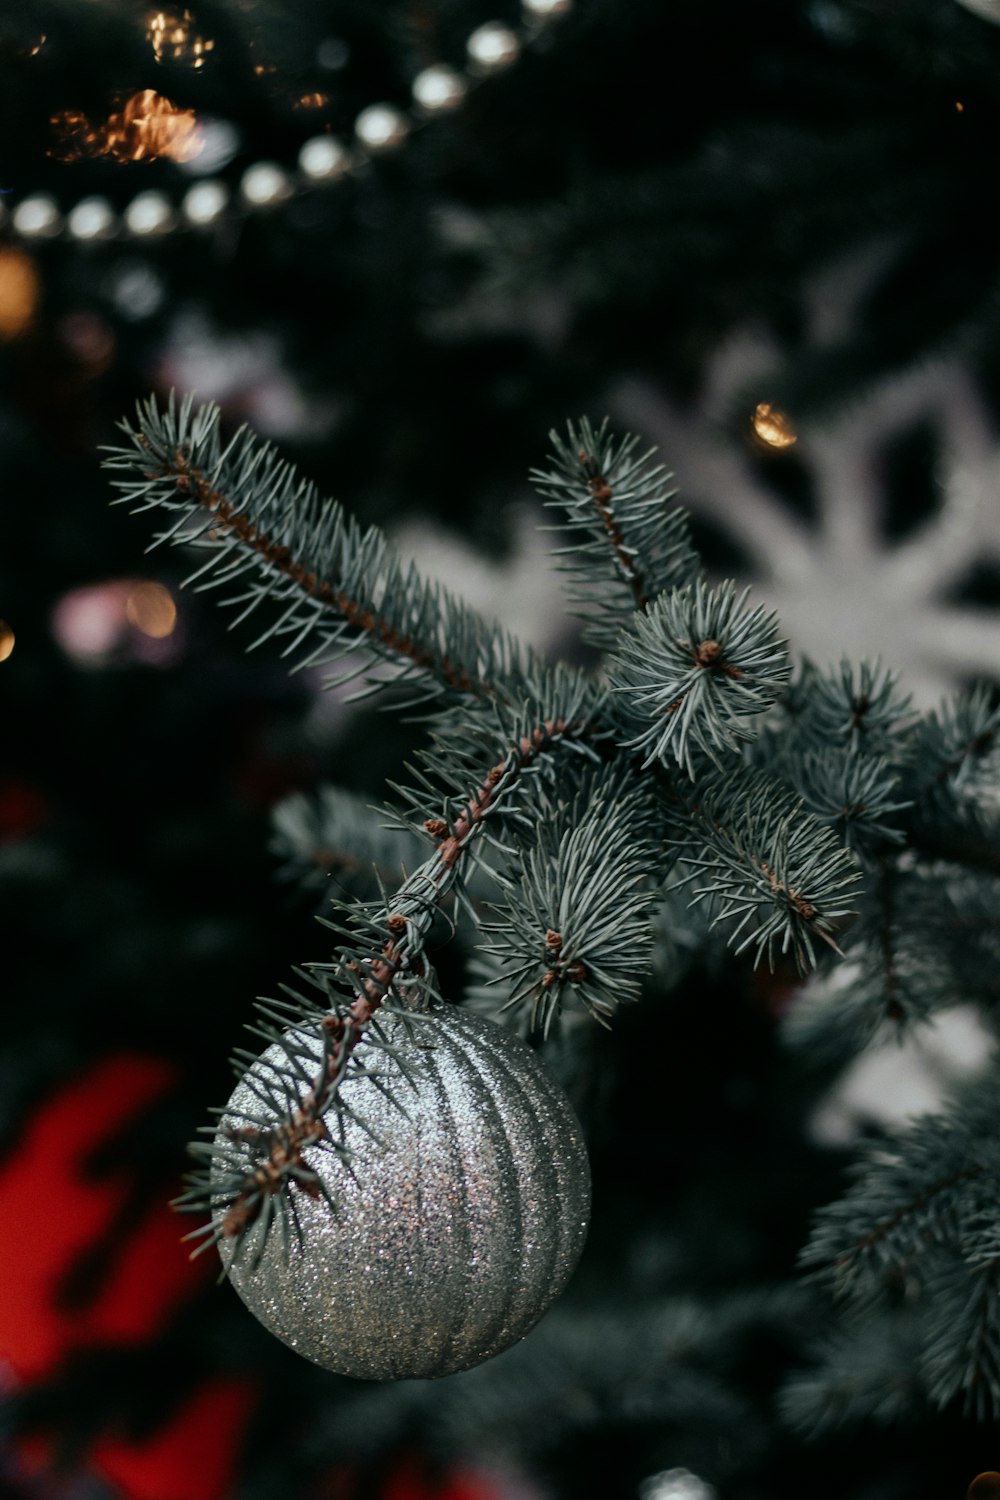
x=773, y=426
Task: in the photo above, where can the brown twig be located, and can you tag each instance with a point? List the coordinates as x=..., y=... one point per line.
x=602, y=495
x=286, y=1140
x=190, y=480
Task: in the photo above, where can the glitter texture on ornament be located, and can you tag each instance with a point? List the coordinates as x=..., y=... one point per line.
x=459, y=1221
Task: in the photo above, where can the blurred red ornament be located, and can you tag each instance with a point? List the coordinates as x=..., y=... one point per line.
x=193, y=1458
x=148, y=1275
x=90, y=340
x=409, y=1482
x=194, y=1455
x=23, y=808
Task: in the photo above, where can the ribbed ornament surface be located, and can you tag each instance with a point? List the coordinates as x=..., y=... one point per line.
x=450, y=1241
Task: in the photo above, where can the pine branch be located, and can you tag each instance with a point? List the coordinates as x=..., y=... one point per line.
x=694, y=670
x=961, y=1354
x=335, y=838
x=855, y=705
x=927, y=1189
x=949, y=771
x=577, y=927
x=625, y=545
x=855, y=795
x=767, y=865
x=953, y=755
x=939, y=1282
x=904, y=960
x=382, y=963
x=271, y=536
x=867, y=1371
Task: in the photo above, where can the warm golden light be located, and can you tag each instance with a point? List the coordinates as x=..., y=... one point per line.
x=19, y=292
x=6, y=640
x=170, y=35
x=150, y=608
x=960, y=106
x=38, y=46
x=315, y=100
x=773, y=426
x=146, y=127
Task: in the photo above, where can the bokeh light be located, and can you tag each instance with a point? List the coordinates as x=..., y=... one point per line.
x=985, y=1486
x=172, y=36
x=147, y=126
x=151, y=609
x=675, y=1484
x=20, y=290
x=119, y=621
x=773, y=426
x=6, y=640
x=90, y=340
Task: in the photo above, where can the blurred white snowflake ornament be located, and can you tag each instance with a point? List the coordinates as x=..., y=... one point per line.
x=841, y=584
x=988, y=9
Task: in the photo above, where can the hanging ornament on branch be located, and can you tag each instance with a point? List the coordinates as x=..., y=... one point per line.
x=459, y=1206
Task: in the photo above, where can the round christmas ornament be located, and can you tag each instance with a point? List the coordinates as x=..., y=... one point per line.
x=452, y=1232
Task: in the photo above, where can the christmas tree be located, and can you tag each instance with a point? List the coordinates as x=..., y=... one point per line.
x=729, y=876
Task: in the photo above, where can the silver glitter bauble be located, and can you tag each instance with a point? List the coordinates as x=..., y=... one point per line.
x=452, y=1234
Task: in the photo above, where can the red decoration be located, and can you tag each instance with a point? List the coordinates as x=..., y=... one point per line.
x=22, y=809
x=44, y=1175
x=191, y=1459
x=55, y=1211
x=195, y=1455
x=408, y=1483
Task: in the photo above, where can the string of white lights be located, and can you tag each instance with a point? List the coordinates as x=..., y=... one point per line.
x=265, y=185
